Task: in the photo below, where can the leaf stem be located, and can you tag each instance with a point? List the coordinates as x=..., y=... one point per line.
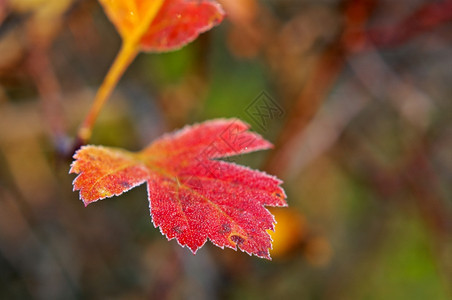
x=124, y=58
x=129, y=50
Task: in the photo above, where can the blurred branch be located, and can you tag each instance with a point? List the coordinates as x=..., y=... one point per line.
x=424, y=19
x=40, y=69
x=36, y=24
x=327, y=126
x=15, y=205
x=371, y=70
x=3, y=11
x=317, y=88
x=414, y=174
x=374, y=74
x=309, y=101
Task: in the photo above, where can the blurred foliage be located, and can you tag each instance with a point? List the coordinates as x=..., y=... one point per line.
x=363, y=145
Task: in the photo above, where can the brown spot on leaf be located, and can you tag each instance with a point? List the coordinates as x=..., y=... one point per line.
x=177, y=229
x=262, y=253
x=125, y=184
x=238, y=240
x=226, y=228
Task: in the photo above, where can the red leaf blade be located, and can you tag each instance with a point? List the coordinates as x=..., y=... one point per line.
x=192, y=196
x=213, y=139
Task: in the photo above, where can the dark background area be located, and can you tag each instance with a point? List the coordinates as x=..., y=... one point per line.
x=355, y=95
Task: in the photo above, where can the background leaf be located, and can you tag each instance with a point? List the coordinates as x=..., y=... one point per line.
x=177, y=22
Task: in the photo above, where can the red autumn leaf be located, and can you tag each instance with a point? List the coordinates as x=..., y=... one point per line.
x=180, y=22
x=193, y=196
x=176, y=23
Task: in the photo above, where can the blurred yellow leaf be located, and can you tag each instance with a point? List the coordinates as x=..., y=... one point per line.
x=290, y=230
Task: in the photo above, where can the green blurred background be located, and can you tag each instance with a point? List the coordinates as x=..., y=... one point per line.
x=355, y=95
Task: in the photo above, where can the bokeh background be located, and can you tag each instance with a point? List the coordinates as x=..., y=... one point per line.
x=355, y=95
